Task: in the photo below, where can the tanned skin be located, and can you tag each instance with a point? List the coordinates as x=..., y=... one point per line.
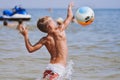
x=55, y=41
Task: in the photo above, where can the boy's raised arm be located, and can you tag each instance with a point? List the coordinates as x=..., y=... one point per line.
x=69, y=17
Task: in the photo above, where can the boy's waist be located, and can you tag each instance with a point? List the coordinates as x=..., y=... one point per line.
x=56, y=68
x=58, y=60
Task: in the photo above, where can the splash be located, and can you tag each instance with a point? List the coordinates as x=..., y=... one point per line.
x=68, y=71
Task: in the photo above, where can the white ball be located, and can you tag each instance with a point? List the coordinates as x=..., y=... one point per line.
x=84, y=16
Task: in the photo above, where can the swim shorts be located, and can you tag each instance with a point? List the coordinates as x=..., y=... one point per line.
x=53, y=72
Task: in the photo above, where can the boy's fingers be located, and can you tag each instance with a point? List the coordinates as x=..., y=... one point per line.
x=21, y=29
x=72, y=4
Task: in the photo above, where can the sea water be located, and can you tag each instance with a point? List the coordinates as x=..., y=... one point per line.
x=94, y=50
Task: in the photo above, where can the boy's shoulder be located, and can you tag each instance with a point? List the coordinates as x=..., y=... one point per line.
x=47, y=37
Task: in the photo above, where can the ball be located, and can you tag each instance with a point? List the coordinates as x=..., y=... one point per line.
x=84, y=16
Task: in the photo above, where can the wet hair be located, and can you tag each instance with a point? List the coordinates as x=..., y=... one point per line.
x=42, y=24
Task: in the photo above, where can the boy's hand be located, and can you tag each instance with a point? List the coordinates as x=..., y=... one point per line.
x=23, y=30
x=71, y=5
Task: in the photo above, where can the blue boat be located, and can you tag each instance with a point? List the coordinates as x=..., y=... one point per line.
x=16, y=14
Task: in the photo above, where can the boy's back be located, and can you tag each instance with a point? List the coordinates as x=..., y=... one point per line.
x=57, y=47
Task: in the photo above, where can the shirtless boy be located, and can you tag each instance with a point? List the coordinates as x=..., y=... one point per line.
x=55, y=41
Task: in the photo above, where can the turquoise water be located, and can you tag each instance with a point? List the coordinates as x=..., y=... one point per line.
x=94, y=50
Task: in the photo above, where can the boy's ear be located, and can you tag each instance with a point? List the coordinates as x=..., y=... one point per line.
x=48, y=26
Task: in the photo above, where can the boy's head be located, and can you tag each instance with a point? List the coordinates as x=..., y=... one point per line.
x=44, y=23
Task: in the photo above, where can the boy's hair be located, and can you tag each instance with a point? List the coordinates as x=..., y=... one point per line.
x=42, y=24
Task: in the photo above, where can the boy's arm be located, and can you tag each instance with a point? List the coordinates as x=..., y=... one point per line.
x=31, y=48
x=68, y=18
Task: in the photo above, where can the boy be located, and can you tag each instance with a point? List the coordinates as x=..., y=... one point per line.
x=55, y=42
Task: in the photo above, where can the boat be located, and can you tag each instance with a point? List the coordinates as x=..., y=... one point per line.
x=16, y=14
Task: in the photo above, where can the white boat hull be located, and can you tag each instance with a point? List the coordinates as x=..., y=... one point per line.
x=16, y=17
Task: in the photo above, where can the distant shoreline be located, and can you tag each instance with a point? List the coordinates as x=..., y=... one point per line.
x=66, y=8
